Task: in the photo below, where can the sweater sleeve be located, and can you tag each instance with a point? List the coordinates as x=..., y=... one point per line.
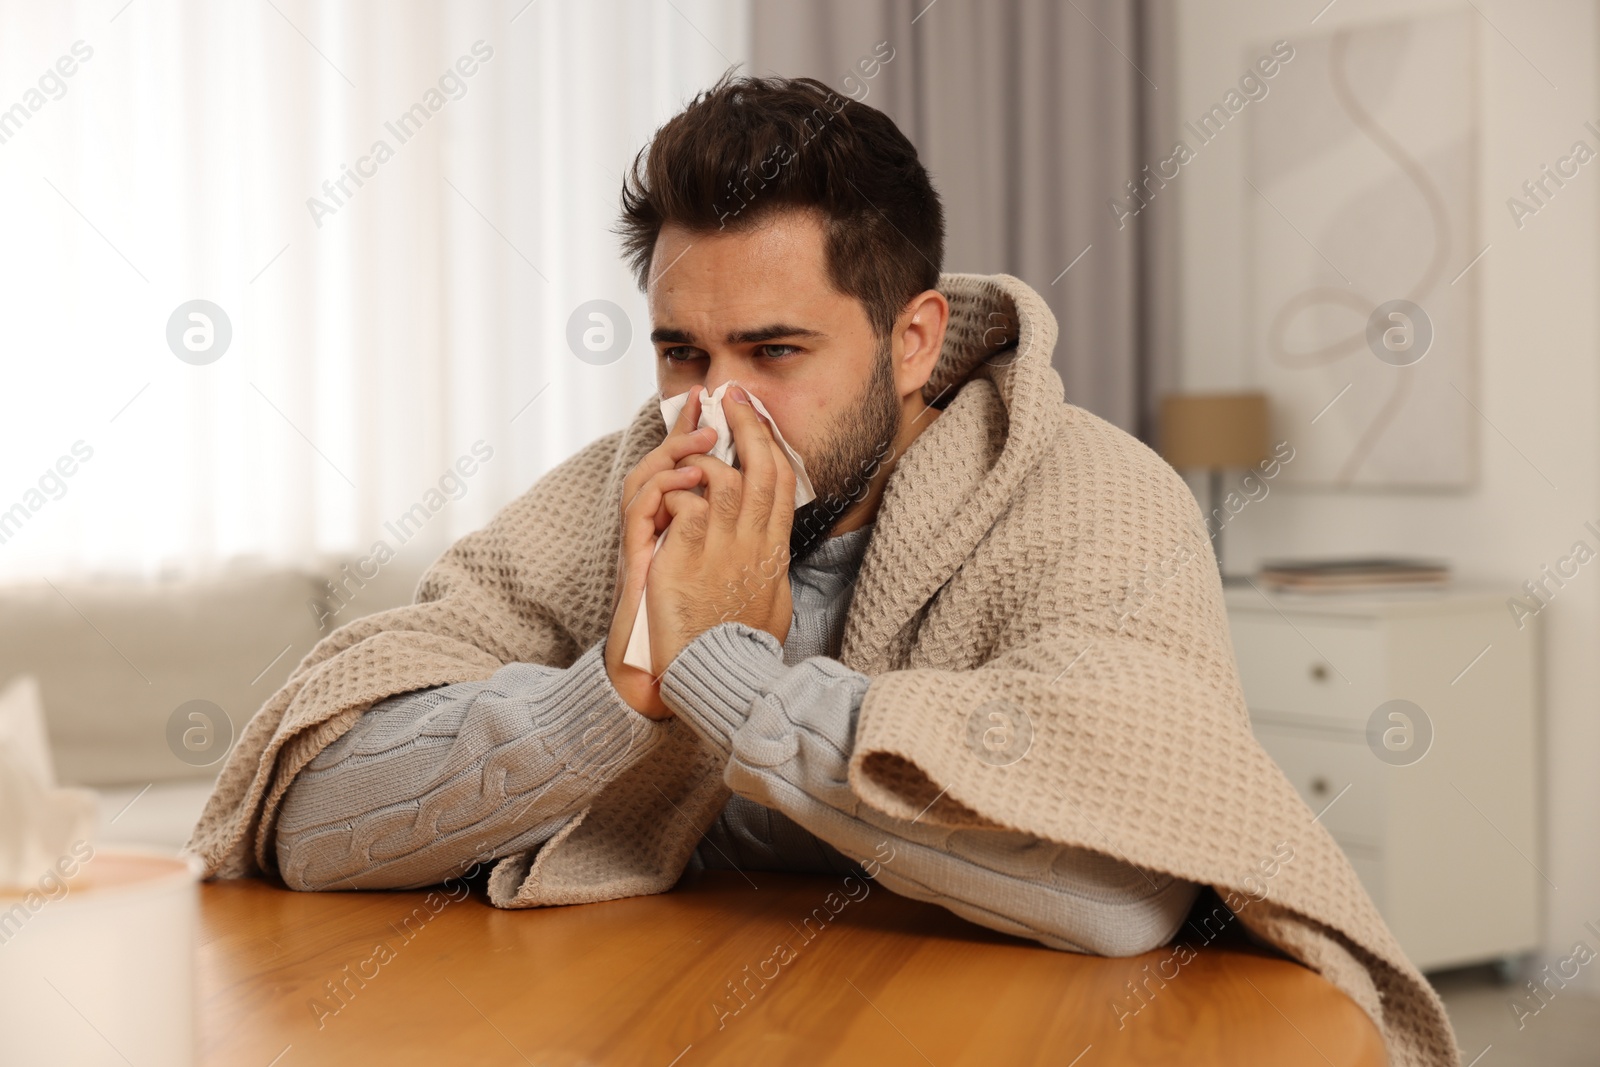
x=425, y=783
x=788, y=732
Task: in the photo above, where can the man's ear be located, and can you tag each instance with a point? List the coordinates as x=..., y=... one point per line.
x=920, y=338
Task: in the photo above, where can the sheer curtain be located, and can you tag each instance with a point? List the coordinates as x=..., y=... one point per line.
x=401, y=211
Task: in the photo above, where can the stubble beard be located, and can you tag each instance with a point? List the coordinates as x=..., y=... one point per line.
x=841, y=471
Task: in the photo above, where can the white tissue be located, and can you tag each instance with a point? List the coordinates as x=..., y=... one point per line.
x=39, y=823
x=712, y=415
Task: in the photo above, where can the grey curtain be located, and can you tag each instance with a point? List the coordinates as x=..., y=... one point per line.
x=1032, y=115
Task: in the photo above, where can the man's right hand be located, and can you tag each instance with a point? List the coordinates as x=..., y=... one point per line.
x=643, y=519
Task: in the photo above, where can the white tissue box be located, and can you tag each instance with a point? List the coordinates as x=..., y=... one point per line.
x=97, y=961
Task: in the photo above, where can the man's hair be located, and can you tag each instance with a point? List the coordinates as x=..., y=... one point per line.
x=749, y=147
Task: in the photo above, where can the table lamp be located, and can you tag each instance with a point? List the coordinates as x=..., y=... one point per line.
x=1213, y=432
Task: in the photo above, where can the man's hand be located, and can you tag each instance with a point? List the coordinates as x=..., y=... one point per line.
x=726, y=555
x=643, y=517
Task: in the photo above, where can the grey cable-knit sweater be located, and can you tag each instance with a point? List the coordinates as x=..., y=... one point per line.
x=427, y=781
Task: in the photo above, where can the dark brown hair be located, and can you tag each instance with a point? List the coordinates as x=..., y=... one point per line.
x=748, y=147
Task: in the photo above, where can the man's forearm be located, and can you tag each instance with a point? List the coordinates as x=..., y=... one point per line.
x=789, y=732
x=427, y=782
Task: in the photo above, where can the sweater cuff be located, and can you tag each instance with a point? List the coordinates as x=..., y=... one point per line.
x=598, y=732
x=718, y=675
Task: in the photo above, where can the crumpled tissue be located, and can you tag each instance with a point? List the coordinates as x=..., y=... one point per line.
x=39, y=823
x=712, y=415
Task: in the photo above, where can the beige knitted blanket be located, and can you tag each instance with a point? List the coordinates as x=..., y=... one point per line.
x=1025, y=551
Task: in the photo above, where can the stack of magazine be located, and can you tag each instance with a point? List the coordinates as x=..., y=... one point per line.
x=1350, y=575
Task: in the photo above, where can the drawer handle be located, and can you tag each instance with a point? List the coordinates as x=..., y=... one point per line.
x=1319, y=672
x=1320, y=786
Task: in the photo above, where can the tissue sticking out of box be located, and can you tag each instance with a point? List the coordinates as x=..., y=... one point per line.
x=712, y=415
x=39, y=823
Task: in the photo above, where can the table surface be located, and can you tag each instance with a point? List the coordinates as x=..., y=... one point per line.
x=882, y=980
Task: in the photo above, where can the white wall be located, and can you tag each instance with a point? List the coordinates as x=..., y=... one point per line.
x=1539, y=368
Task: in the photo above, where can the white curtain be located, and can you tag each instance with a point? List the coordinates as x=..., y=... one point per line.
x=158, y=152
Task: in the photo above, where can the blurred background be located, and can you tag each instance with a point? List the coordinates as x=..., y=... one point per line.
x=294, y=294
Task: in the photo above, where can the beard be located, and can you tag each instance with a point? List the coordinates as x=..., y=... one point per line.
x=841, y=468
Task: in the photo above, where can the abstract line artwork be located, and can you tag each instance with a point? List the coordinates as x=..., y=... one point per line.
x=1360, y=199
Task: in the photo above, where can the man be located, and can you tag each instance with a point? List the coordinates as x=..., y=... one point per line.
x=818, y=293
x=989, y=663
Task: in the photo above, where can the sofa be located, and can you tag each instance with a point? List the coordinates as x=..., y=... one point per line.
x=122, y=664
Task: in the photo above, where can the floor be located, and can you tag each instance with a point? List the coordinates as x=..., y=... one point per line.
x=1565, y=1032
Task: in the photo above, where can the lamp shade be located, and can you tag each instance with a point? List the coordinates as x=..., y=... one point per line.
x=1214, y=430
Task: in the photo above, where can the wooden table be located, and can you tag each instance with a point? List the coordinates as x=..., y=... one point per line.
x=885, y=980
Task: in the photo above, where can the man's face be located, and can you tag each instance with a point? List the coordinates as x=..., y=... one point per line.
x=757, y=306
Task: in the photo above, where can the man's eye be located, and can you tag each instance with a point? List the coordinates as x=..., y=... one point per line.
x=686, y=353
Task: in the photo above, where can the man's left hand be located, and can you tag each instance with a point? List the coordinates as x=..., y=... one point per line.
x=726, y=554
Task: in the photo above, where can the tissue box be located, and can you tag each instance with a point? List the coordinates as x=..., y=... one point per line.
x=97, y=964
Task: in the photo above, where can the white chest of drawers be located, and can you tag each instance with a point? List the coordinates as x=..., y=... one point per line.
x=1448, y=844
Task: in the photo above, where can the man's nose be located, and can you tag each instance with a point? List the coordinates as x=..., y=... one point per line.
x=716, y=377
